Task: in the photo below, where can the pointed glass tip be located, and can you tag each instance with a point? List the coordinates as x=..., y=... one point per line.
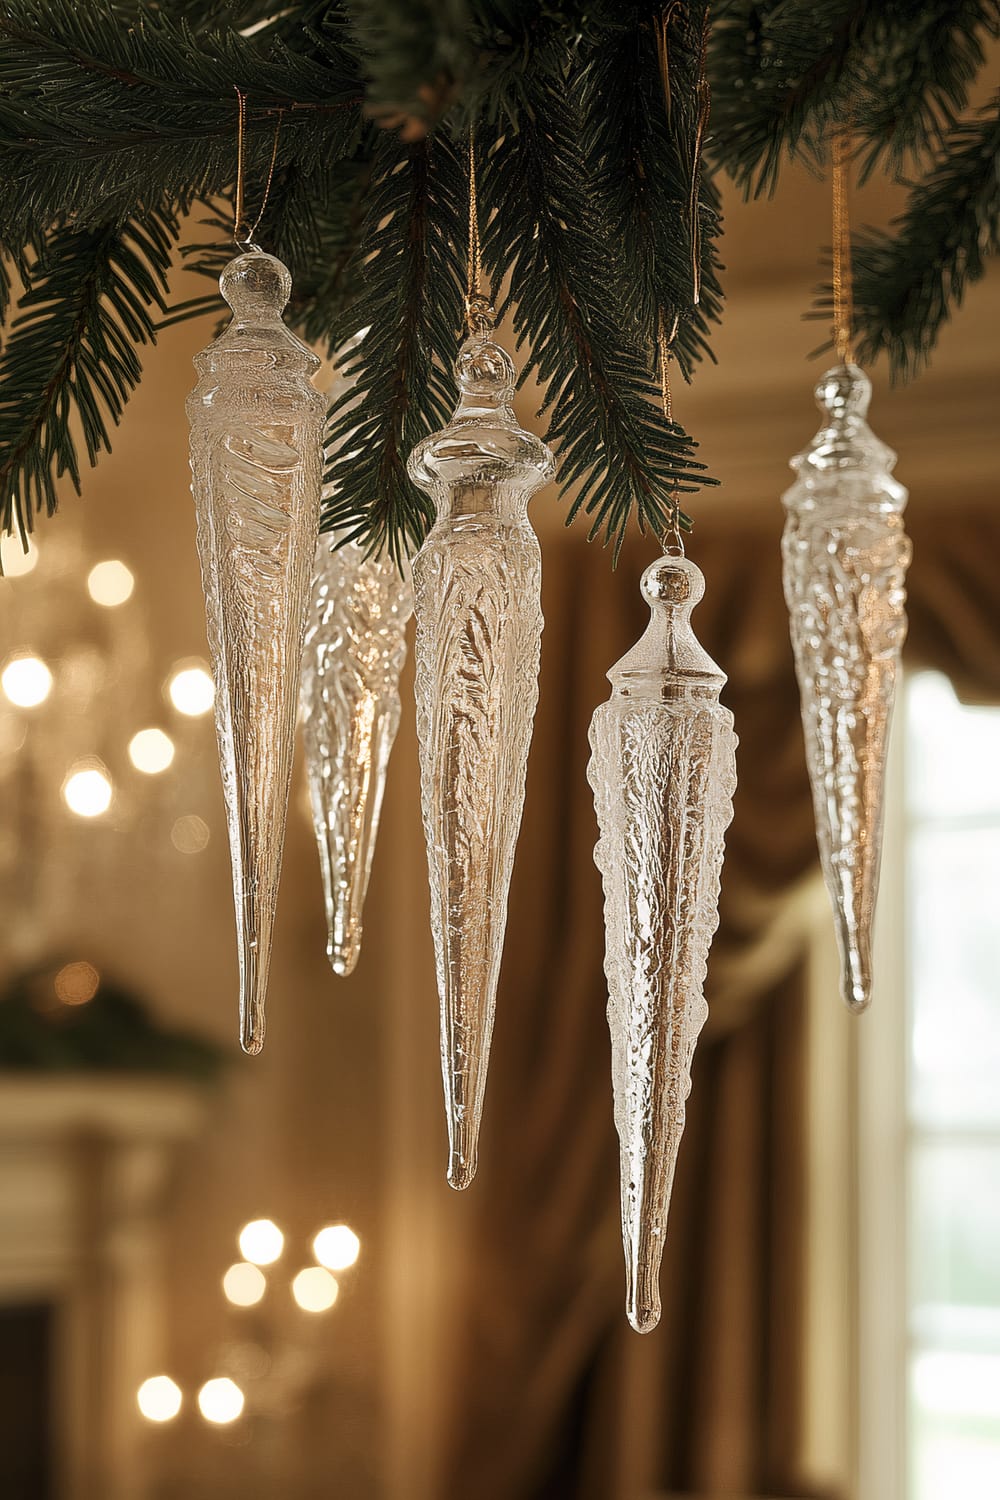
x=462, y=1169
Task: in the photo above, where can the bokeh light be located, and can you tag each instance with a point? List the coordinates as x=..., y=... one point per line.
x=151, y=751
x=110, y=583
x=190, y=834
x=159, y=1398
x=87, y=791
x=220, y=1400
x=26, y=681
x=261, y=1241
x=244, y=1284
x=14, y=560
x=337, y=1247
x=191, y=690
x=315, y=1290
x=77, y=983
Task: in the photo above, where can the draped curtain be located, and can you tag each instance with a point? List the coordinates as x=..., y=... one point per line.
x=552, y=1396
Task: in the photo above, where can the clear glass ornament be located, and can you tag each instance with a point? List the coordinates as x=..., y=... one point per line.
x=845, y=556
x=663, y=771
x=256, y=461
x=355, y=647
x=477, y=588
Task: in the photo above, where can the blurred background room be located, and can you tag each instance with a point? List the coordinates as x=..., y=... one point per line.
x=225, y=1276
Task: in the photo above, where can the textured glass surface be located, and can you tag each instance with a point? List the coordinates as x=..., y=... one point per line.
x=953, y=876
x=663, y=771
x=256, y=460
x=845, y=557
x=354, y=651
x=477, y=587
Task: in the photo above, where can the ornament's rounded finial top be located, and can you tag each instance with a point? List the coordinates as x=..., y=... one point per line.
x=484, y=369
x=256, y=285
x=672, y=579
x=843, y=391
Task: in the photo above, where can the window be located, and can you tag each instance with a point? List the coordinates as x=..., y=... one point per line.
x=951, y=973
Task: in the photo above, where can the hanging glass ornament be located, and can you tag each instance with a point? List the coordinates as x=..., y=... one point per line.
x=256, y=460
x=355, y=647
x=663, y=771
x=845, y=556
x=477, y=587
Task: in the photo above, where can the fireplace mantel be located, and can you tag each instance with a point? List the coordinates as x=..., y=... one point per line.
x=85, y=1166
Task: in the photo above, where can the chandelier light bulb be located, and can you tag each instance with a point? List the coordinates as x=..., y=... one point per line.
x=151, y=751
x=87, y=792
x=26, y=681
x=110, y=583
x=220, y=1401
x=261, y=1242
x=337, y=1247
x=16, y=560
x=244, y=1284
x=159, y=1398
x=315, y=1290
x=192, y=691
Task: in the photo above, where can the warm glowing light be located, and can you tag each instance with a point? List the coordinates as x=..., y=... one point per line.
x=315, y=1290
x=77, y=983
x=26, y=681
x=151, y=751
x=261, y=1241
x=191, y=691
x=159, y=1398
x=336, y=1247
x=110, y=583
x=14, y=560
x=189, y=834
x=220, y=1400
x=244, y=1284
x=87, y=792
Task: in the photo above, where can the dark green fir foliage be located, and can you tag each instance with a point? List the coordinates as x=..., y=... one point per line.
x=118, y=137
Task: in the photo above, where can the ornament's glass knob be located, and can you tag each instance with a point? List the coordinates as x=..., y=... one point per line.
x=484, y=369
x=843, y=391
x=671, y=580
x=256, y=286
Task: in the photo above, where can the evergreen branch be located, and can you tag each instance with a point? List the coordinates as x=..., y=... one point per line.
x=612, y=439
x=73, y=350
x=410, y=301
x=908, y=281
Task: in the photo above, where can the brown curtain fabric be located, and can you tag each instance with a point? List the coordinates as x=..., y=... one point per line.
x=553, y=1395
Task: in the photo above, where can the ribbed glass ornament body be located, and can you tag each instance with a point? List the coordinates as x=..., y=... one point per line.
x=355, y=647
x=663, y=771
x=845, y=555
x=256, y=462
x=477, y=588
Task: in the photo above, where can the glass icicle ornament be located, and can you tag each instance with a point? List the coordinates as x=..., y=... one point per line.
x=256, y=460
x=663, y=771
x=845, y=556
x=477, y=594
x=354, y=652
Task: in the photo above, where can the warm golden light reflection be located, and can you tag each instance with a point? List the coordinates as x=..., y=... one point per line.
x=315, y=1290
x=151, y=751
x=191, y=690
x=14, y=560
x=337, y=1247
x=261, y=1241
x=87, y=791
x=77, y=983
x=244, y=1284
x=110, y=583
x=159, y=1398
x=26, y=681
x=189, y=834
x=220, y=1400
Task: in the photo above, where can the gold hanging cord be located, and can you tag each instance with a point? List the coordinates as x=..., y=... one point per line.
x=243, y=232
x=478, y=307
x=843, y=280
